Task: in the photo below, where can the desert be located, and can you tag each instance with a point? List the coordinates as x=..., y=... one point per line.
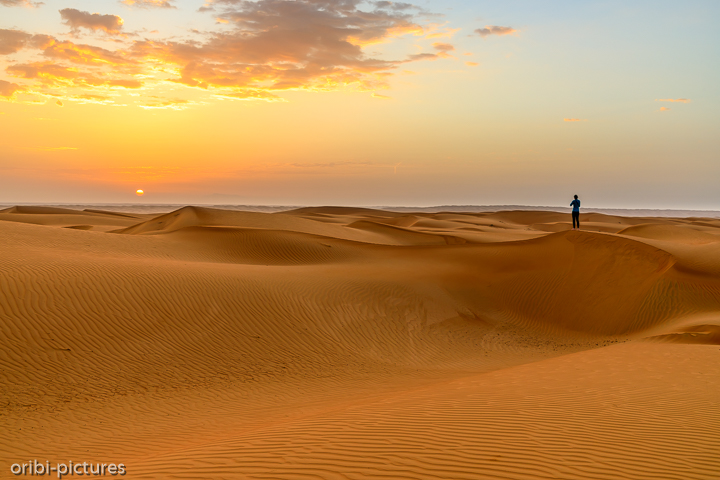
x=359, y=239
x=351, y=343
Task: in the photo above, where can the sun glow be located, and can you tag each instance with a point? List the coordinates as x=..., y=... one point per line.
x=139, y=193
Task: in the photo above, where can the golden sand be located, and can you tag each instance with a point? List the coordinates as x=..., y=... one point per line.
x=345, y=343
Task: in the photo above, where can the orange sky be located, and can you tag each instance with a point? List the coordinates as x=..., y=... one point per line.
x=342, y=102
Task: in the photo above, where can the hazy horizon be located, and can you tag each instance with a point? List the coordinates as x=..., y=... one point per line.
x=160, y=208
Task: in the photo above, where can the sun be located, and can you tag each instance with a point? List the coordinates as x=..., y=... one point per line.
x=140, y=193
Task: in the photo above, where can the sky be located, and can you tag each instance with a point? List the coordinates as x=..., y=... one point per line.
x=342, y=102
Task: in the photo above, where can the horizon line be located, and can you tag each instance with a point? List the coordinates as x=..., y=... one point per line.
x=183, y=204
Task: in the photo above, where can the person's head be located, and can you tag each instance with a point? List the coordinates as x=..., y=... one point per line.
x=575, y=197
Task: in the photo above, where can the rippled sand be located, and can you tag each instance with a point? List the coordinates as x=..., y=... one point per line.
x=347, y=343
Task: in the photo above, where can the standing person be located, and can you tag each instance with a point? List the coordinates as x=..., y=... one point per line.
x=576, y=212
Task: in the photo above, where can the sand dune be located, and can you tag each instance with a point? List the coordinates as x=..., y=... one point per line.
x=345, y=343
x=65, y=217
x=673, y=233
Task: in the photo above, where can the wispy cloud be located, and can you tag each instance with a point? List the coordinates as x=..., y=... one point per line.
x=52, y=149
x=381, y=97
x=664, y=109
x=8, y=89
x=441, y=33
x=674, y=100
x=422, y=56
x=252, y=94
x=443, y=47
x=174, y=104
x=19, y=3
x=495, y=30
x=124, y=83
x=574, y=120
x=149, y=3
x=12, y=41
x=85, y=98
x=77, y=19
x=53, y=75
x=472, y=64
x=328, y=165
x=87, y=54
x=395, y=5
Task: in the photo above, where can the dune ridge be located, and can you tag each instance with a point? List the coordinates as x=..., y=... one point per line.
x=338, y=342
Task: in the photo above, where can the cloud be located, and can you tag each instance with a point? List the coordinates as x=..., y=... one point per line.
x=149, y=3
x=267, y=47
x=674, y=100
x=381, y=97
x=278, y=45
x=574, y=120
x=12, y=41
x=90, y=98
x=332, y=4
x=87, y=54
x=664, y=109
x=52, y=149
x=53, y=75
x=174, y=104
x=252, y=94
x=495, y=30
x=443, y=47
x=70, y=65
x=423, y=56
x=447, y=33
x=124, y=83
x=395, y=5
x=347, y=163
x=59, y=103
x=8, y=89
x=472, y=64
x=42, y=70
x=19, y=3
x=77, y=19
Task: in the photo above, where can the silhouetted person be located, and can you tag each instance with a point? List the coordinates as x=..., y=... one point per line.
x=576, y=212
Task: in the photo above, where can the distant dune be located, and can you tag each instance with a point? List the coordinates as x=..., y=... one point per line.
x=165, y=208
x=358, y=343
